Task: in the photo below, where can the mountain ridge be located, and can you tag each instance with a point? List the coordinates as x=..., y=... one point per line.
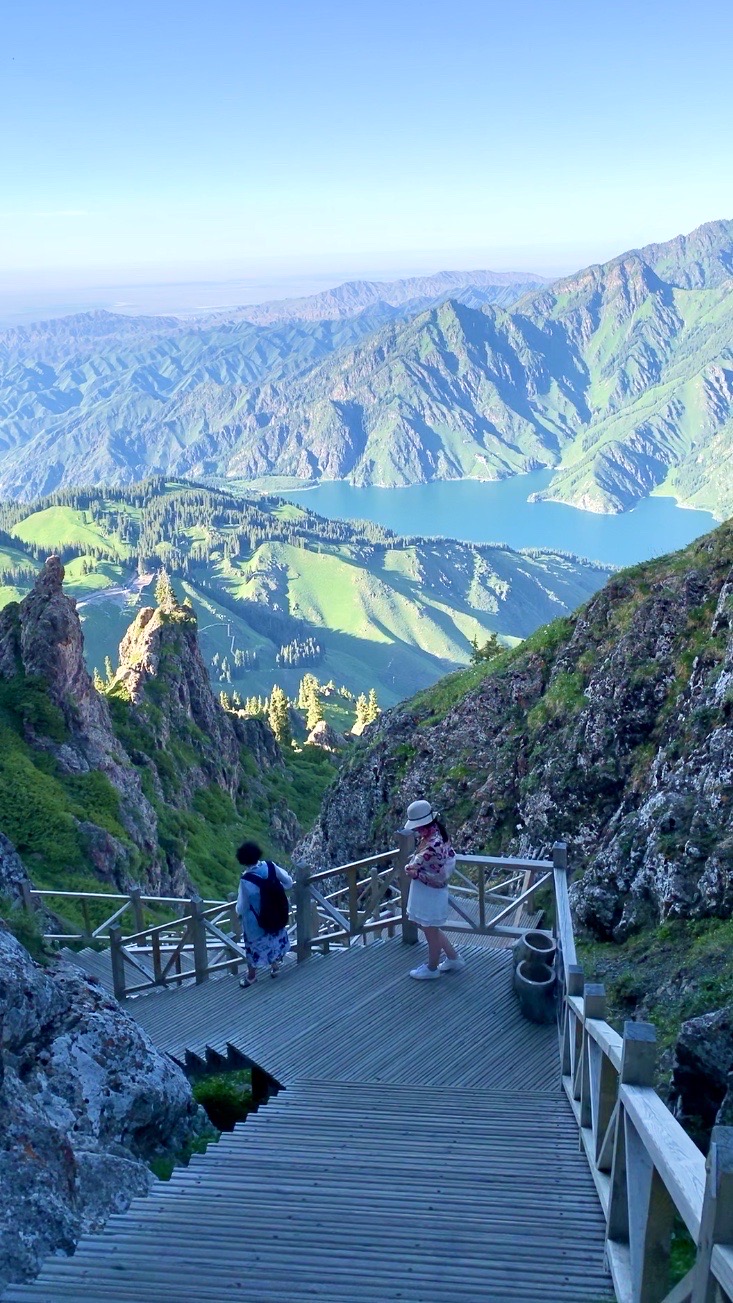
x=618, y=378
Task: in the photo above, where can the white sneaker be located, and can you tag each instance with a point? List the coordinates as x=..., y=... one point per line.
x=424, y=974
x=452, y=965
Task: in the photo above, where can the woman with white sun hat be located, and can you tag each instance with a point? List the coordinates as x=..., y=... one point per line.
x=430, y=868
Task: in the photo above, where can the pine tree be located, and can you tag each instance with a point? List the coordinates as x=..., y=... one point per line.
x=224, y=701
x=372, y=710
x=491, y=648
x=109, y=671
x=314, y=710
x=97, y=680
x=362, y=710
x=278, y=716
x=164, y=595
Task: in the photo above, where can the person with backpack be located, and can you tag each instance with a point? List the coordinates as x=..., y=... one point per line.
x=429, y=869
x=263, y=909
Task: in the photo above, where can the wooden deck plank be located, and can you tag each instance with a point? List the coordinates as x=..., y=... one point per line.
x=420, y=1151
x=331, y=1211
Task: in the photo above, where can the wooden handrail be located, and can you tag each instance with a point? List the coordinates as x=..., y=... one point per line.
x=109, y=895
x=564, y=918
x=647, y=1171
x=348, y=868
x=504, y=861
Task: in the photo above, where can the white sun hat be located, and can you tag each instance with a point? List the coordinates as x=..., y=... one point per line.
x=419, y=814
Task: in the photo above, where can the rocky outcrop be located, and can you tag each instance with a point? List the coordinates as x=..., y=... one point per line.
x=41, y=657
x=12, y=872
x=161, y=667
x=163, y=685
x=85, y=1102
x=612, y=730
x=702, y=1075
x=325, y=737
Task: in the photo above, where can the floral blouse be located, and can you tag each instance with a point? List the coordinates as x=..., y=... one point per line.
x=433, y=861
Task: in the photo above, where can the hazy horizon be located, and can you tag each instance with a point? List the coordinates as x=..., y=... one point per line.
x=186, y=290
x=300, y=147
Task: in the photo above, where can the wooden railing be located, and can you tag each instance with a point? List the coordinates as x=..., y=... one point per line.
x=333, y=908
x=94, y=908
x=369, y=897
x=648, y=1174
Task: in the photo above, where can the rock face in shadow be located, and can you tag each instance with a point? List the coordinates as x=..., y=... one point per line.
x=85, y=1102
x=12, y=872
x=702, y=1073
x=612, y=730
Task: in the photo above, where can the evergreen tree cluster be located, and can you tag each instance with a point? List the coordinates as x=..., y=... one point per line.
x=367, y=708
x=297, y=653
x=308, y=702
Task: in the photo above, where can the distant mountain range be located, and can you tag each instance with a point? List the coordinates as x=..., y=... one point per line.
x=412, y=295
x=620, y=378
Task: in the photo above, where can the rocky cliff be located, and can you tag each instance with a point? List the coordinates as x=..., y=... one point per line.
x=612, y=729
x=64, y=724
x=85, y=1102
x=149, y=782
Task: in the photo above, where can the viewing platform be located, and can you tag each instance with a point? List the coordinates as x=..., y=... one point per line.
x=417, y=1141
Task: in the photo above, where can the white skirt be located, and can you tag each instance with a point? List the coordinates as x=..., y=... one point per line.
x=427, y=906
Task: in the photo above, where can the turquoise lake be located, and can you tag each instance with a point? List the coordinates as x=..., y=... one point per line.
x=499, y=512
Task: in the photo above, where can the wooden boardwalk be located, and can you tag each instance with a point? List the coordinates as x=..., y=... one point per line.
x=421, y=1150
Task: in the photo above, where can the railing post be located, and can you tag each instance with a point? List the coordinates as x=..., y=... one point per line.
x=117, y=961
x=26, y=895
x=303, y=924
x=716, y=1226
x=235, y=925
x=137, y=909
x=405, y=847
x=594, y=1006
x=155, y=949
x=568, y=1020
x=560, y=856
x=638, y=1066
x=198, y=935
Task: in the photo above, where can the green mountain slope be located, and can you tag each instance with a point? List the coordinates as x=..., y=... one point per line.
x=620, y=377
x=385, y=611
x=110, y=398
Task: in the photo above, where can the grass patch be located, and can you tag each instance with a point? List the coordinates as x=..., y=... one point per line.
x=226, y=1096
x=25, y=928
x=664, y=975
x=165, y=1165
x=563, y=696
x=434, y=703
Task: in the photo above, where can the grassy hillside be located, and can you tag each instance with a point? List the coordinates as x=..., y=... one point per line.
x=386, y=612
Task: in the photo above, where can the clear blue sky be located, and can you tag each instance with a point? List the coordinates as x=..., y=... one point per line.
x=181, y=138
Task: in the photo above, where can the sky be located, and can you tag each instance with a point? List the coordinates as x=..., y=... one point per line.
x=297, y=142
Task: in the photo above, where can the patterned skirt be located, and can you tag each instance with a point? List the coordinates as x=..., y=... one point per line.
x=268, y=948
